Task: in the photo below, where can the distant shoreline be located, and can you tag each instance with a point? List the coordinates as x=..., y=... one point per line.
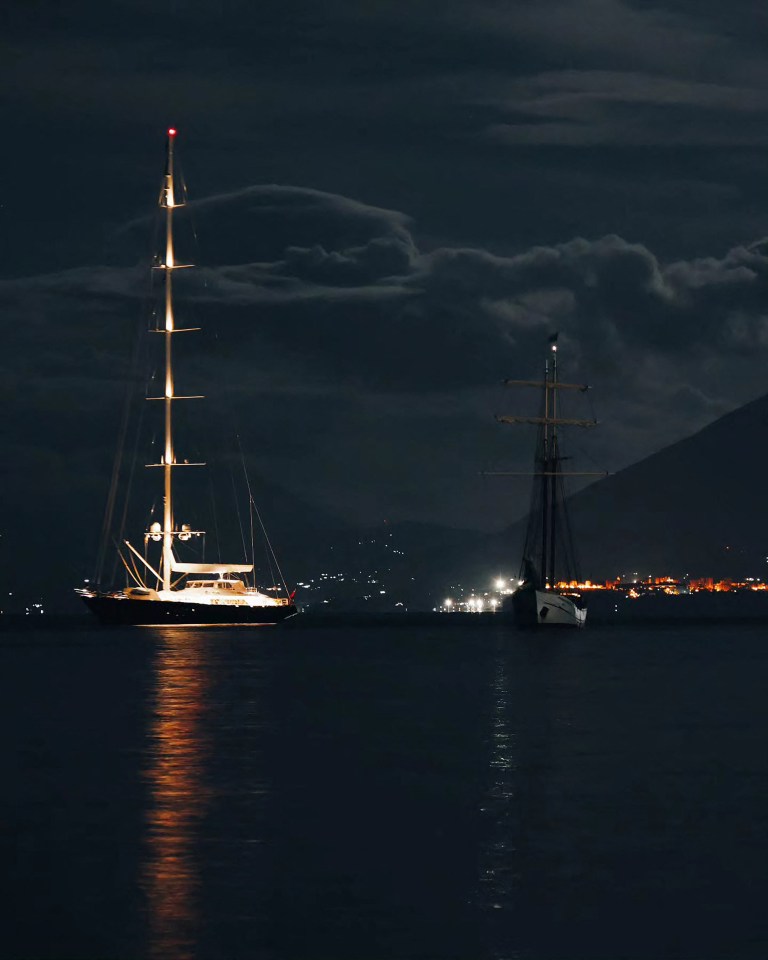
x=604, y=609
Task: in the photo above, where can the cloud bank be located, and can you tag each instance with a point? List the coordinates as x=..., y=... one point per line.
x=399, y=351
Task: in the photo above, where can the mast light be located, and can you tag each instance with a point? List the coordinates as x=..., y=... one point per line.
x=172, y=132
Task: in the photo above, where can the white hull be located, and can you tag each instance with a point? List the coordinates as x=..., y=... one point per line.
x=557, y=611
x=543, y=608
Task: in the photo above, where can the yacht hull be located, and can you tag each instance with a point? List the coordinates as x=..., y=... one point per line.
x=544, y=608
x=124, y=611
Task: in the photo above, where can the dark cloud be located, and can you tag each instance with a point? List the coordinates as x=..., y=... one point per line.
x=595, y=166
x=361, y=327
x=498, y=126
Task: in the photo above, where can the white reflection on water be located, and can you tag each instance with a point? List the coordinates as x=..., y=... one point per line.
x=496, y=876
x=175, y=773
x=499, y=877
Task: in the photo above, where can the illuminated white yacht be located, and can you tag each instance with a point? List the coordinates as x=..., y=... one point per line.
x=549, y=558
x=162, y=591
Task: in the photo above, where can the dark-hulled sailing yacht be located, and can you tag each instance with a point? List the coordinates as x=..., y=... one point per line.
x=161, y=589
x=549, y=557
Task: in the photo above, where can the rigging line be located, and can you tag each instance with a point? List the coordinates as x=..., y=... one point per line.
x=197, y=258
x=119, y=555
x=582, y=449
x=146, y=559
x=134, y=455
x=268, y=553
x=270, y=575
x=142, y=343
x=131, y=473
x=235, y=421
x=215, y=516
x=232, y=408
x=237, y=511
x=125, y=423
x=268, y=558
x=234, y=416
x=591, y=407
x=158, y=582
x=136, y=572
x=567, y=536
x=118, y=460
x=129, y=571
x=269, y=544
x=190, y=215
x=122, y=435
x=250, y=508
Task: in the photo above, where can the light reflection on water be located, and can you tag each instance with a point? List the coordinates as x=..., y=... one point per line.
x=499, y=878
x=386, y=794
x=179, y=748
x=531, y=745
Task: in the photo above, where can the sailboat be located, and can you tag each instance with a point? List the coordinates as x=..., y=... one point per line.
x=549, y=557
x=166, y=591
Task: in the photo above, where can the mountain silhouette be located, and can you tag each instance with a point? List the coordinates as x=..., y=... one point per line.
x=695, y=507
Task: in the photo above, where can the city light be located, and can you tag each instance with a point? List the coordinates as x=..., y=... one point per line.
x=631, y=586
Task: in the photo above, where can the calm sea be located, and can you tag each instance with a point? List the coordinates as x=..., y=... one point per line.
x=363, y=792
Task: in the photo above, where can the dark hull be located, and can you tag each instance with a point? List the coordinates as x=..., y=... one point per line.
x=118, y=611
x=523, y=605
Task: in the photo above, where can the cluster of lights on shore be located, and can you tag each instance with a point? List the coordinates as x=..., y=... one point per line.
x=632, y=587
x=490, y=600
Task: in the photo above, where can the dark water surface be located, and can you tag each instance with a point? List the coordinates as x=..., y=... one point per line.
x=356, y=793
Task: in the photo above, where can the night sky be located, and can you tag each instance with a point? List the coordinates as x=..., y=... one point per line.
x=395, y=204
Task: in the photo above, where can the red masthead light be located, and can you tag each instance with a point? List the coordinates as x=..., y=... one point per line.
x=172, y=132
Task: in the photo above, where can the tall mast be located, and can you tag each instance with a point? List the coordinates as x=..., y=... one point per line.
x=545, y=479
x=554, y=460
x=168, y=201
x=546, y=513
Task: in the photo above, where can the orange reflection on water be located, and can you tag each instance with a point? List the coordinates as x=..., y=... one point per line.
x=175, y=773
